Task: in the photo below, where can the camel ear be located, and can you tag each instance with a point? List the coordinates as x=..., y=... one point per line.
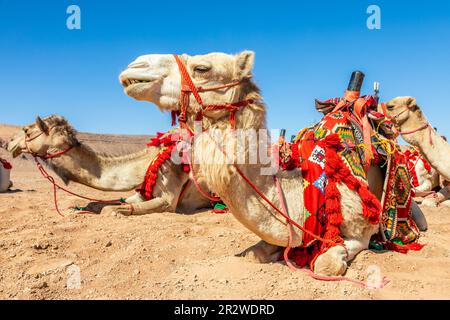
x=244, y=62
x=412, y=103
x=42, y=125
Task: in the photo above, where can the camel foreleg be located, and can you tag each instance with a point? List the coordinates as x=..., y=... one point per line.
x=152, y=206
x=334, y=262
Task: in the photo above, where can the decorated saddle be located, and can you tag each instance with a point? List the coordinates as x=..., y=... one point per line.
x=335, y=151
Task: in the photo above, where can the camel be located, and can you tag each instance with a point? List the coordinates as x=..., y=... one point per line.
x=156, y=78
x=5, y=172
x=415, y=129
x=5, y=183
x=83, y=165
x=427, y=180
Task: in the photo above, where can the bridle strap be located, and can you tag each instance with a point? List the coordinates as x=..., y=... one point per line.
x=423, y=127
x=188, y=87
x=47, y=156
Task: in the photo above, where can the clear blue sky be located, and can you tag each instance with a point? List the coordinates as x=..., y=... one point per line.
x=304, y=50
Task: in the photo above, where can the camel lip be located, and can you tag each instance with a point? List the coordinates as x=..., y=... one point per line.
x=127, y=82
x=128, y=78
x=14, y=149
x=129, y=88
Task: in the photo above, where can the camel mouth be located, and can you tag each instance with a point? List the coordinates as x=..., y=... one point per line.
x=129, y=82
x=14, y=149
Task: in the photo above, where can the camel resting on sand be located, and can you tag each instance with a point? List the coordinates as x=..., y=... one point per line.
x=5, y=171
x=156, y=78
x=109, y=173
x=415, y=129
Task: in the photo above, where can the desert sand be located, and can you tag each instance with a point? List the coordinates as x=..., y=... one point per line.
x=173, y=255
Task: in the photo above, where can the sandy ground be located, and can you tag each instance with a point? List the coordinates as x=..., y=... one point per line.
x=175, y=256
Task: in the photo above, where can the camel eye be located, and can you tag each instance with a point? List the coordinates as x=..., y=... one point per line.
x=390, y=108
x=202, y=69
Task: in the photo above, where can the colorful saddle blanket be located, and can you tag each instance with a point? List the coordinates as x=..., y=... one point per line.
x=329, y=155
x=399, y=230
x=332, y=152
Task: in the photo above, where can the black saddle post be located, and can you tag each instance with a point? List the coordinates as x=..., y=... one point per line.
x=356, y=81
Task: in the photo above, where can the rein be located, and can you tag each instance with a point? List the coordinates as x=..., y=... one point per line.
x=56, y=186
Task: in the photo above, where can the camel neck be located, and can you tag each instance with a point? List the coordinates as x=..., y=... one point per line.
x=108, y=173
x=434, y=148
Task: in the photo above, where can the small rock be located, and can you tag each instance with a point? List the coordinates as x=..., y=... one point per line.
x=40, y=285
x=41, y=246
x=108, y=244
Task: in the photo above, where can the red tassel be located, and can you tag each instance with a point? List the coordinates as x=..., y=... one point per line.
x=405, y=248
x=6, y=164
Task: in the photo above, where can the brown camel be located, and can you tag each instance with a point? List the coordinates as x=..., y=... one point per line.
x=412, y=123
x=109, y=173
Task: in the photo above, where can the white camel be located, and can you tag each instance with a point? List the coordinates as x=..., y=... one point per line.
x=5, y=171
x=156, y=78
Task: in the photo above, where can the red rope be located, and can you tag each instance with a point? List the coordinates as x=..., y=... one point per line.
x=425, y=126
x=56, y=186
x=188, y=86
x=199, y=187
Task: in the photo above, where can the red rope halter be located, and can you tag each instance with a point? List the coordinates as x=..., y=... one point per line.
x=51, y=179
x=47, y=155
x=423, y=127
x=188, y=87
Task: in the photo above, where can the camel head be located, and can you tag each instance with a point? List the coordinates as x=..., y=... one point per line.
x=405, y=111
x=48, y=135
x=156, y=78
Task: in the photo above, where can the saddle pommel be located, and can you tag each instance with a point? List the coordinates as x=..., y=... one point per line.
x=356, y=81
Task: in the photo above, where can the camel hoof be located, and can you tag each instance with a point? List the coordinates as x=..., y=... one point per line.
x=328, y=264
x=430, y=202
